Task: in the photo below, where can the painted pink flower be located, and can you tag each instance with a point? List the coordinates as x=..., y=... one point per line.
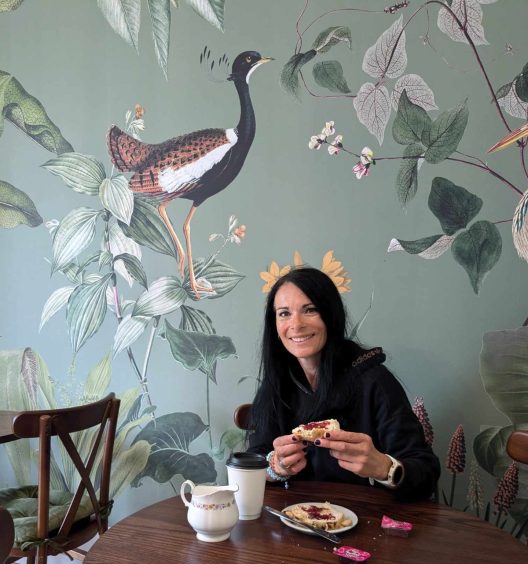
x=365, y=160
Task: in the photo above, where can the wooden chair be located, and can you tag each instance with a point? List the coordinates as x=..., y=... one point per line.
x=63, y=521
x=517, y=446
x=241, y=416
x=7, y=534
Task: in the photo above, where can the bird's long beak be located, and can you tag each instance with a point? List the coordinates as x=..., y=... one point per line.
x=265, y=60
x=509, y=139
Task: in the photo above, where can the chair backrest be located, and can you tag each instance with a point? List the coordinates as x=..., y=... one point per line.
x=242, y=415
x=517, y=446
x=97, y=423
x=7, y=534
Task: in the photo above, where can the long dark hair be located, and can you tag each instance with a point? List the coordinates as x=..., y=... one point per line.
x=277, y=362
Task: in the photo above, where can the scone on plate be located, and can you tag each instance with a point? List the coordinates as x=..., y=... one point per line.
x=315, y=430
x=323, y=515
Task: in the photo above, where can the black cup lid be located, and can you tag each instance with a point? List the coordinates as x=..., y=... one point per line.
x=247, y=460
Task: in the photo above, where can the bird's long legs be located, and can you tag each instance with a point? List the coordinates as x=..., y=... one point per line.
x=187, y=233
x=179, y=248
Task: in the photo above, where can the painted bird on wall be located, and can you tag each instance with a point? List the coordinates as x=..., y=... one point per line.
x=193, y=166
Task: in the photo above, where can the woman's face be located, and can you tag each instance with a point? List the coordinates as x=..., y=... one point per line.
x=299, y=325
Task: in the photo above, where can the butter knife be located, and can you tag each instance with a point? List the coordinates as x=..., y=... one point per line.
x=325, y=534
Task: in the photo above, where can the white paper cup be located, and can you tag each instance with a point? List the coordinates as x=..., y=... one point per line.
x=248, y=470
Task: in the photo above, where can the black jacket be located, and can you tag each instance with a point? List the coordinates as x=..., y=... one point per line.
x=368, y=399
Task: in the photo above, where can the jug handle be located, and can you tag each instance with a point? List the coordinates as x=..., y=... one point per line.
x=182, y=491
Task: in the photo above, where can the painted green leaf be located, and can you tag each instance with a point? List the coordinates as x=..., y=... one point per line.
x=117, y=197
x=75, y=232
x=128, y=331
x=86, y=311
x=453, y=206
x=419, y=245
x=521, y=84
x=407, y=178
x=27, y=113
x=489, y=448
x=127, y=465
x=58, y=299
x=504, y=371
x=196, y=350
x=82, y=173
x=163, y=296
x=411, y=122
x=222, y=277
x=211, y=11
x=503, y=90
x=329, y=74
x=193, y=319
x=98, y=380
x=124, y=17
x=332, y=36
x=290, y=73
x=14, y=396
x=160, y=16
x=8, y=5
x=133, y=267
x=443, y=137
x=477, y=250
x=147, y=228
x=231, y=440
x=16, y=208
x=170, y=437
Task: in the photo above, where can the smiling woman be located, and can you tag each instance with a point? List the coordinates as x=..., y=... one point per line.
x=310, y=371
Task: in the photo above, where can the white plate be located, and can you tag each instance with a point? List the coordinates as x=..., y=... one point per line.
x=347, y=514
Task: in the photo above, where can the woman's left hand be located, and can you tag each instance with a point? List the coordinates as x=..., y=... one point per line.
x=356, y=453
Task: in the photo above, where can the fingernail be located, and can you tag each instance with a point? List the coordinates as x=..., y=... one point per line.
x=327, y=435
x=317, y=442
x=294, y=439
x=305, y=443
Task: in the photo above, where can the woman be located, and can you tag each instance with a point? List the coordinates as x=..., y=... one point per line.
x=310, y=372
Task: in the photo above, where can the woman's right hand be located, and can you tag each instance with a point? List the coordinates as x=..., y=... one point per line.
x=290, y=457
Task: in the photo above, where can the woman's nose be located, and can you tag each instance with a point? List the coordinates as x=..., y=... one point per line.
x=297, y=319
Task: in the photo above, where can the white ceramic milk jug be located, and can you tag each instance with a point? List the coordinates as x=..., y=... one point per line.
x=212, y=510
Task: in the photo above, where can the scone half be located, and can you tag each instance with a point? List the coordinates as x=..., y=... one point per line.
x=315, y=429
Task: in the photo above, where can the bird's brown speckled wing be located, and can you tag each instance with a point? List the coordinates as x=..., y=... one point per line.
x=171, y=168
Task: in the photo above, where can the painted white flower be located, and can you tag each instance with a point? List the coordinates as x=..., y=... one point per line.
x=316, y=141
x=328, y=129
x=336, y=145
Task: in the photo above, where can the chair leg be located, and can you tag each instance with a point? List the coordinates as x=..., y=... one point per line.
x=30, y=559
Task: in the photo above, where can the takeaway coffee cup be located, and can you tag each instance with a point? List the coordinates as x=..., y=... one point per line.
x=248, y=471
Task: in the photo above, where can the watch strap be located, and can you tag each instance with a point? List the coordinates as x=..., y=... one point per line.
x=391, y=481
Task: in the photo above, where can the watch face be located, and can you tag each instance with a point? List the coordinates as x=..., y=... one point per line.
x=397, y=475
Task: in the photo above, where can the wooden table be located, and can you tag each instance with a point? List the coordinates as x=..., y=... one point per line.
x=160, y=534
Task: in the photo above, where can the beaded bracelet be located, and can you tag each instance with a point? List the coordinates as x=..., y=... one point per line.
x=271, y=473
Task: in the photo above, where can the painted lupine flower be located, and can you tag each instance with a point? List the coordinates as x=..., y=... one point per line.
x=328, y=129
x=507, y=488
x=456, y=453
x=365, y=160
x=422, y=415
x=336, y=145
x=474, y=492
x=316, y=141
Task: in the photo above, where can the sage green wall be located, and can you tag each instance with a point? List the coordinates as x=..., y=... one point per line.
x=424, y=312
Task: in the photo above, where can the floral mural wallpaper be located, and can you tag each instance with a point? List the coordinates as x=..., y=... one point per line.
x=357, y=136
